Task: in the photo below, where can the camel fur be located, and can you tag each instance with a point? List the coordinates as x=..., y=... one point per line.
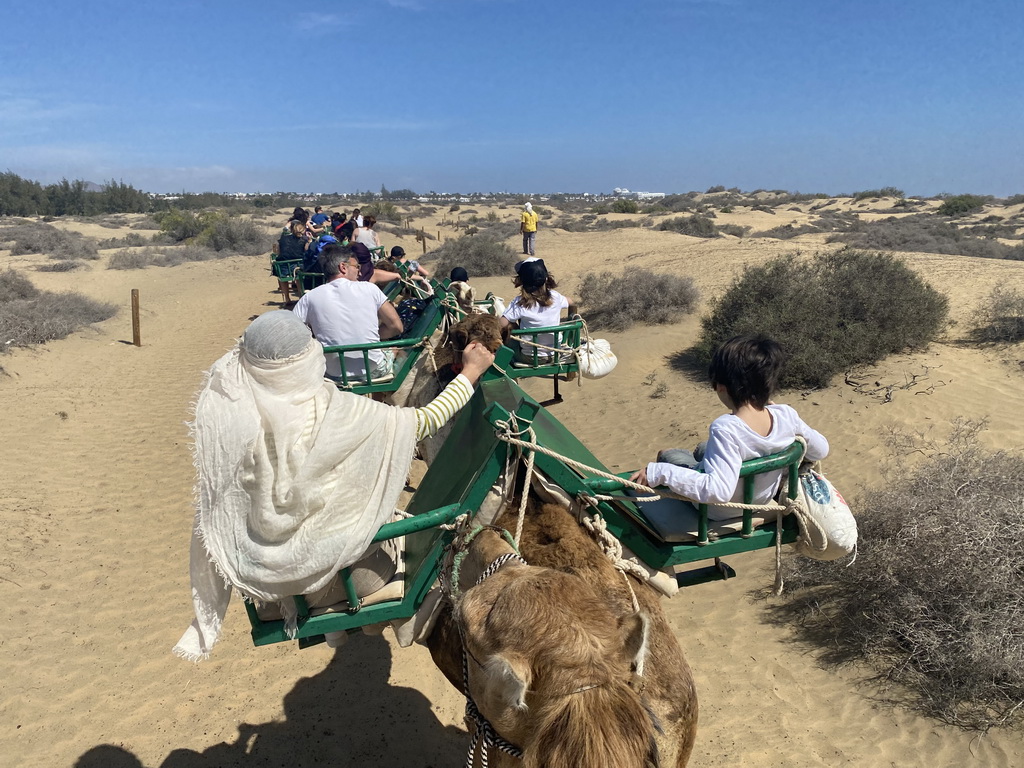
x=435, y=371
x=556, y=649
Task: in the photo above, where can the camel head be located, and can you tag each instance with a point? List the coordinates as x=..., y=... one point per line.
x=464, y=294
x=483, y=328
x=551, y=667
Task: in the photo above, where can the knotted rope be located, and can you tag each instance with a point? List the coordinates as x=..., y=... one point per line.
x=507, y=432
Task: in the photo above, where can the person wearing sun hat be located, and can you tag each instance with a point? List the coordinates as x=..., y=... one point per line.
x=528, y=226
x=538, y=304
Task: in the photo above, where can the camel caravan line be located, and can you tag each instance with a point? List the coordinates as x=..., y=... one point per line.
x=531, y=571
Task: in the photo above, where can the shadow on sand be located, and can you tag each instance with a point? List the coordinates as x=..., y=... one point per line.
x=346, y=716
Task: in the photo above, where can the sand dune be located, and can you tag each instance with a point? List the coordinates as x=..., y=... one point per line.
x=96, y=498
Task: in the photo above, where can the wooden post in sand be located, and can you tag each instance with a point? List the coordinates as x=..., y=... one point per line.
x=136, y=332
x=423, y=238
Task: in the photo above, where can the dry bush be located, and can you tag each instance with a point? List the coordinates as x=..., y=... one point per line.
x=131, y=240
x=47, y=240
x=171, y=256
x=481, y=255
x=694, y=226
x=638, y=296
x=234, y=235
x=935, y=599
x=61, y=266
x=926, y=234
x=830, y=313
x=1000, y=318
x=30, y=316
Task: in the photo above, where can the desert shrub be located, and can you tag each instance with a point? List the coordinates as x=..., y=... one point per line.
x=695, y=226
x=492, y=217
x=959, y=205
x=1001, y=316
x=14, y=286
x=131, y=240
x=30, y=316
x=726, y=209
x=222, y=232
x=61, y=266
x=454, y=208
x=829, y=313
x=934, y=599
x=874, y=193
x=638, y=296
x=171, y=256
x=733, y=229
x=383, y=210
x=922, y=233
x=481, y=254
x=715, y=190
x=1014, y=200
x=180, y=225
x=625, y=206
x=787, y=231
x=47, y=240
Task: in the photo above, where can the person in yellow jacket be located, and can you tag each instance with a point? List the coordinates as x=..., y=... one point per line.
x=528, y=226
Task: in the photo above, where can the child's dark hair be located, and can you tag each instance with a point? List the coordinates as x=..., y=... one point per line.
x=749, y=367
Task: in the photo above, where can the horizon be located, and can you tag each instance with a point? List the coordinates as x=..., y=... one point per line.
x=489, y=95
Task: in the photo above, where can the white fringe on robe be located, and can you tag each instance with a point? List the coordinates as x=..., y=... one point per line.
x=294, y=480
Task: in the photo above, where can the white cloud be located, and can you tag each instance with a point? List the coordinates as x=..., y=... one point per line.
x=309, y=22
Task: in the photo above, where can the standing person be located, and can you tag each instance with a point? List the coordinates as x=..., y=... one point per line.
x=528, y=226
x=346, y=311
x=357, y=217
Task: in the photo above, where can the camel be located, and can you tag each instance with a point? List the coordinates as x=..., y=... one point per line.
x=435, y=371
x=560, y=664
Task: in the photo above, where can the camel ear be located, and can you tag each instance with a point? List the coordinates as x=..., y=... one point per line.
x=508, y=679
x=635, y=629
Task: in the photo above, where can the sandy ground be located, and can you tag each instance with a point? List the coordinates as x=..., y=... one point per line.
x=96, y=501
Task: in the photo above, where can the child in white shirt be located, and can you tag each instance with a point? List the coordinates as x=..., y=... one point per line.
x=745, y=372
x=538, y=305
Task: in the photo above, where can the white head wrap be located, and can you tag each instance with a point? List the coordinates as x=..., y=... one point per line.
x=294, y=477
x=528, y=206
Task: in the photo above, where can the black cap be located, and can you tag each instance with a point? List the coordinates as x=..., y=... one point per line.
x=459, y=275
x=532, y=274
x=397, y=252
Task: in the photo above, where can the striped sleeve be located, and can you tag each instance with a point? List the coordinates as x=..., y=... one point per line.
x=438, y=411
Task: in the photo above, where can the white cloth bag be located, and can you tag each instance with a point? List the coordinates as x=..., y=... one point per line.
x=596, y=358
x=835, y=534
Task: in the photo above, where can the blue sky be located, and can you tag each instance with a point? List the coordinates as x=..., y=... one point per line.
x=503, y=95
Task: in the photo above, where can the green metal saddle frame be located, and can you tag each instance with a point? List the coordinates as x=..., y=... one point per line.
x=471, y=462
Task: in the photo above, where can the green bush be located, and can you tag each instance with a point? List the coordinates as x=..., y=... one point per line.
x=223, y=232
x=1001, y=316
x=873, y=193
x=30, y=316
x=829, y=313
x=482, y=255
x=959, y=205
x=625, y=206
x=933, y=601
x=180, y=225
x=694, y=226
x=638, y=296
x=383, y=210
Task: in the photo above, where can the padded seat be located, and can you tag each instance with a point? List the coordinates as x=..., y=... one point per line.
x=674, y=521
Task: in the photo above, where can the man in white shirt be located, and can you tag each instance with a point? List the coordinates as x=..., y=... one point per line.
x=346, y=311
